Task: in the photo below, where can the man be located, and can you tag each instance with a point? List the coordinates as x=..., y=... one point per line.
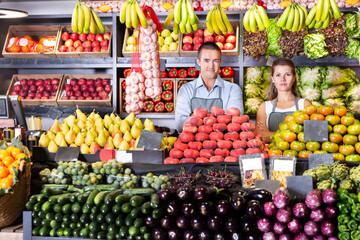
x=208, y=89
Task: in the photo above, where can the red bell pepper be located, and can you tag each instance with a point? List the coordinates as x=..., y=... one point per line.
x=182, y=73
x=149, y=106
x=124, y=96
x=173, y=73
x=192, y=72
x=157, y=99
x=160, y=107
x=169, y=106
x=123, y=85
x=127, y=72
x=261, y=3
x=180, y=83
x=168, y=85
x=167, y=96
x=228, y=72
x=147, y=98
x=163, y=74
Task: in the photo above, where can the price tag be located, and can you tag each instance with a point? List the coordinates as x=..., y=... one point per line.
x=124, y=157
x=316, y=131
x=299, y=186
x=283, y=165
x=150, y=140
x=67, y=154
x=270, y=185
x=316, y=159
x=252, y=164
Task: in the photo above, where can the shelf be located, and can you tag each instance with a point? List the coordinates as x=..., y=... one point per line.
x=54, y=112
x=154, y=116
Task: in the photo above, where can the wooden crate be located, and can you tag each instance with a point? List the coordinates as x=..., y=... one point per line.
x=122, y=111
x=95, y=103
x=177, y=80
x=67, y=28
x=202, y=25
x=129, y=32
x=14, y=232
x=36, y=32
x=36, y=102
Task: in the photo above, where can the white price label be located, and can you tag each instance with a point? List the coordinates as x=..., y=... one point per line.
x=283, y=165
x=124, y=157
x=251, y=164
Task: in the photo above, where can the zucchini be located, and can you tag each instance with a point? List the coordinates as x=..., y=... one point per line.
x=73, y=189
x=46, y=206
x=128, y=221
x=120, y=220
x=155, y=200
x=140, y=191
x=133, y=231
x=92, y=217
x=123, y=231
x=84, y=218
x=157, y=213
x=37, y=207
x=100, y=218
x=36, y=222
x=135, y=212
x=76, y=207
x=99, y=199
x=137, y=200
x=122, y=198
x=126, y=208
x=35, y=231
x=64, y=187
x=116, y=209
x=82, y=197
x=48, y=192
x=86, y=208
x=74, y=197
x=55, y=224
x=33, y=199
x=50, y=216
x=94, y=227
x=110, y=198
x=29, y=206
x=66, y=208
x=102, y=187
x=104, y=208
x=57, y=208
x=143, y=229
x=110, y=218
x=95, y=210
x=60, y=199
x=146, y=208
x=44, y=231
x=41, y=198
x=76, y=232
x=92, y=195
x=41, y=214
x=74, y=218
x=58, y=217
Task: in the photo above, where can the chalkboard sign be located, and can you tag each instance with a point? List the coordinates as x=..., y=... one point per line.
x=67, y=154
x=299, y=186
x=316, y=131
x=150, y=140
x=316, y=159
x=270, y=185
x=54, y=113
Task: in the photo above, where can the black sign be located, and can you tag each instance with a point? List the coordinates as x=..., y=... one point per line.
x=299, y=186
x=316, y=131
x=270, y=185
x=316, y=159
x=67, y=154
x=150, y=140
x=54, y=113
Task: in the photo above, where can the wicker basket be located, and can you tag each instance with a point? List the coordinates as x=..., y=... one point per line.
x=12, y=204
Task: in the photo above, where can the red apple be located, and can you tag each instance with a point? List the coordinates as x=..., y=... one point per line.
x=81, y=81
x=64, y=98
x=14, y=93
x=74, y=36
x=73, y=98
x=69, y=43
x=97, y=98
x=63, y=48
x=102, y=94
x=77, y=94
x=31, y=82
x=39, y=82
x=88, y=49
x=221, y=46
x=107, y=88
x=76, y=88
x=94, y=94
x=31, y=94
x=104, y=43
x=77, y=43
x=88, y=98
x=25, y=88
x=91, y=37
x=90, y=82
x=86, y=94
x=86, y=44
x=53, y=92
x=91, y=89
x=73, y=81
x=79, y=49
x=229, y=34
x=196, y=46
x=104, y=49
x=67, y=87
x=107, y=36
x=220, y=38
x=65, y=36
x=41, y=89
x=231, y=39
x=84, y=88
x=44, y=98
x=33, y=88
x=207, y=33
x=38, y=94
x=47, y=81
x=105, y=82
x=55, y=87
x=188, y=34
x=17, y=88
x=99, y=37
x=23, y=82
x=46, y=94
x=199, y=33
x=187, y=39
x=22, y=93
x=187, y=47
x=198, y=40
x=105, y=98
x=96, y=49
x=69, y=93
x=209, y=38
x=48, y=88
x=82, y=37
x=229, y=46
x=55, y=81
x=95, y=44
x=71, y=49
x=99, y=88
x=98, y=82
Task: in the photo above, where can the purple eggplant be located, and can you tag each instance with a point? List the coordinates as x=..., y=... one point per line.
x=270, y=209
x=319, y=237
x=253, y=236
x=189, y=235
x=313, y=199
x=333, y=238
x=166, y=194
x=264, y=225
x=182, y=222
x=173, y=208
x=236, y=236
x=214, y=223
x=197, y=223
x=174, y=234
x=300, y=210
x=188, y=209
x=269, y=236
x=281, y=198
x=231, y=224
x=184, y=193
x=254, y=209
x=328, y=228
x=284, y=215
x=279, y=228
x=223, y=207
x=158, y=234
x=248, y=225
x=295, y=226
x=285, y=237
x=301, y=236
x=238, y=193
x=206, y=208
x=329, y=196
x=201, y=193
x=331, y=211
x=150, y=221
x=317, y=215
x=311, y=228
x=238, y=203
x=259, y=194
x=166, y=222
x=204, y=235
x=220, y=236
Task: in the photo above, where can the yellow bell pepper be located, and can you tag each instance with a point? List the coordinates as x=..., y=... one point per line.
x=167, y=6
x=352, y=2
x=225, y=4
x=285, y=3
x=104, y=8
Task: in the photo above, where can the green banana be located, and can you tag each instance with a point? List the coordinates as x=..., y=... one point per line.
x=253, y=27
x=141, y=15
x=325, y=12
x=290, y=20
x=188, y=27
x=264, y=16
x=191, y=13
x=98, y=21
x=335, y=8
x=177, y=12
x=128, y=15
x=182, y=28
x=176, y=28
x=168, y=19
x=134, y=17
x=296, y=22
x=305, y=14
x=209, y=22
x=74, y=18
x=282, y=20
x=80, y=21
x=246, y=21
x=319, y=10
x=259, y=22
x=122, y=16
x=312, y=24
x=226, y=21
x=87, y=18
x=184, y=13
x=311, y=15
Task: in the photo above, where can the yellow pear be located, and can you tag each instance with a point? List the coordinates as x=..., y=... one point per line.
x=116, y=131
x=64, y=128
x=83, y=132
x=44, y=140
x=51, y=135
x=55, y=128
x=106, y=133
x=84, y=149
x=135, y=131
x=171, y=140
x=89, y=123
x=127, y=136
x=93, y=132
x=107, y=121
x=70, y=120
x=138, y=124
x=79, y=139
x=70, y=137
x=101, y=139
x=150, y=127
x=58, y=138
x=124, y=145
x=136, y=142
x=75, y=128
x=109, y=144
x=111, y=129
x=81, y=124
x=130, y=118
x=124, y=127
x=117, y=139
x=97, y=116
x=80, y=115
x=147, y=122
x=89, y=139
x=113, y=116
x=52, y=146
x=94, y=147
x=91, y=115
x=99, y=122
x=73, y=145
x=117, y=120
x=63, y=143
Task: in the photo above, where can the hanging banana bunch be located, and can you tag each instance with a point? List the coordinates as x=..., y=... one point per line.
x=218, y=22
x=256, y=18
x=85, y=20
x=293, y=18
x=131, y=13
x=321, y=15
x=185, y=19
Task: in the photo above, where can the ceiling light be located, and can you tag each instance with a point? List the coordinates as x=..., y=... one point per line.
x=12, y=13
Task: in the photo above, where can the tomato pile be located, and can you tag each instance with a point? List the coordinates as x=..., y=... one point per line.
x=9, y=163
x=344, y=134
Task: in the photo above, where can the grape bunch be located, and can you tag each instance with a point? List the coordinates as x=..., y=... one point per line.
x=219, y=179
x=87, y=179
x=54, y=176
x=154, y=181
x=184, y=179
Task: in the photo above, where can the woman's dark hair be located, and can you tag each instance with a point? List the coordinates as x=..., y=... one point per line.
x=282, y=62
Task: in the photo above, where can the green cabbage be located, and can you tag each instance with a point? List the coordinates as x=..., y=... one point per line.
x=253, y=90
x=353, y=93
x=252, y=105
x=273, y=35
x=310, y=76
x=333, y=92
x=336, y=102
x=266, y=74
x=354, y=107
x=352, y=26
x=253, y=75
x=314, y=46
x=309, y=92
x=335, y=76
x=352, y=48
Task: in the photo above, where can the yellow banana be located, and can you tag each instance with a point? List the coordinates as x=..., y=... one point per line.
x=92, y=26
x=312, y=23
x=282, y=20
x=226, y=21
x=188, y=27
x=195, y=27
x=191, y=12
x=176, y=28
x=335, y=8
x=253, y=27
x=259, y=22
x=326, y=23
x=263, y=15
x=209, y=22
x=182, y=28
x=246, y=21
x=184, y=13
x=134, y=17
x=311, y=15
x=301, y=18
x=74, y=19
x=80, y=21
x=122, y=16
x=87, y=17
x=128, y=15
x=318, y=24
x=168, y=19
x=290, y=19
x=98, y=21
x=218, y=18
x=296, y=22
x=214, y=23
x=305, y=14
x=319, y=10
x=326, y=9
x=177, y=12
x=141, y=15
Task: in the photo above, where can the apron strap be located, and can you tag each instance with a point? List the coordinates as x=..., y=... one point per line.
x=296, y=104
x=274, y=105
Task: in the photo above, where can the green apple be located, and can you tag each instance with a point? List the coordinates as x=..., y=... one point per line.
x=164, y=48
x=175, y=36
x=131, y=41
x=173, y=46
x=168, y=40
x=161, y=41
x=165, y=33
x=130, y=48
x=135, y=33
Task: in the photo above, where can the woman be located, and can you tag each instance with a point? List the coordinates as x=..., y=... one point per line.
x=284, y=99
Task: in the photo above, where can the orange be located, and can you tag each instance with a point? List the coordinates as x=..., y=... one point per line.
x=4, y=172
x=16, y=165
x=325, y=110
x=310, y=109
x=15, y=151
x=3, y=154
x=25, y=49
x=14, y=48
x=6, y=182
x=20, y=156
x=7, y=161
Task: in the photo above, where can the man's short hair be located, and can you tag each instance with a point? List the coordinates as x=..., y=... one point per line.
x=208, y=46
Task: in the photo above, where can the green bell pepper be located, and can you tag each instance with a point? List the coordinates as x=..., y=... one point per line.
x=355, y=208
x=343, y=219
x=358, y=196
x=344, y=236
x=354, y=197
x=355, y=216
x=343, y=228
x=345, y=196
x=352, y=225
x=355, y=235
x=344, y=207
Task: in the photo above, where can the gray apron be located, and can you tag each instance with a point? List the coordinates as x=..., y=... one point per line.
x=275, y=118
x=207, y=103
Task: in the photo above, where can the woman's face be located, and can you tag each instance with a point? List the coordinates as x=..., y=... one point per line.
x=283, y=78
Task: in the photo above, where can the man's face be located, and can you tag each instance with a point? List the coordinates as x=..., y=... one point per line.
x=209, y=63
